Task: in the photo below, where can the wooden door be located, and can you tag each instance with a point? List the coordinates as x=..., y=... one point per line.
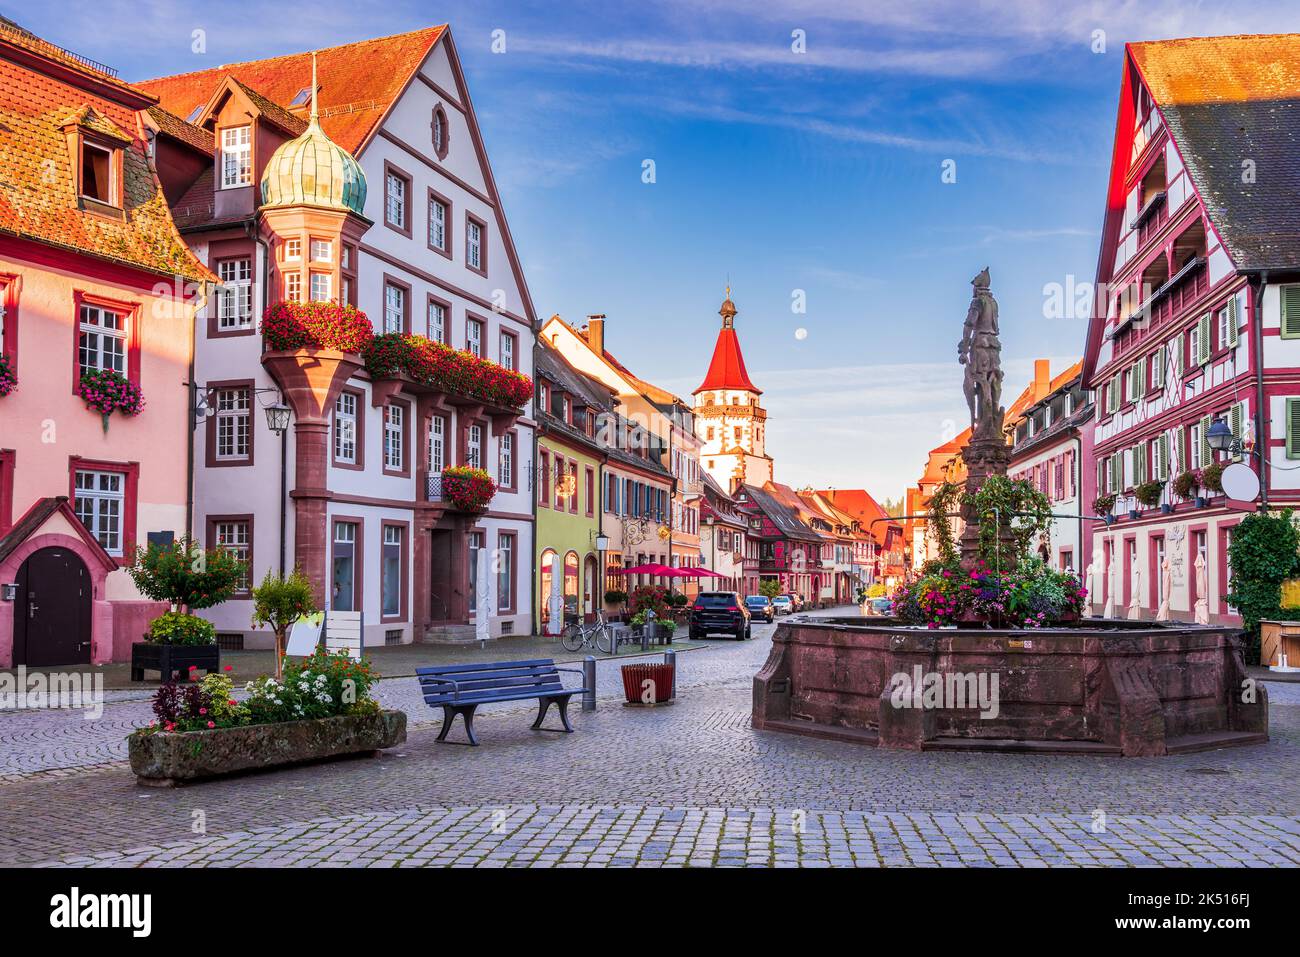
x=52, y=614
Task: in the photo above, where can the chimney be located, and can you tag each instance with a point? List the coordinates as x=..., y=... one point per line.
x=1042, y=377
x=596, y=332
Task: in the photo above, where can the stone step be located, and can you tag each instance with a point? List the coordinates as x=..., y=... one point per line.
x=449, y=634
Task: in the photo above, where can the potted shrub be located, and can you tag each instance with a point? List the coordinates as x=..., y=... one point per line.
x=652, y=610
x=1212, y=479
x=1149, y=493
x=321, y=709
x=1103, y=505
x=187, y=578
x=280, y=601
x=1185, y=484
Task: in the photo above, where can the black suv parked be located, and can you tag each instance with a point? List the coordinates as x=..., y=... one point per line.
x=715, y=611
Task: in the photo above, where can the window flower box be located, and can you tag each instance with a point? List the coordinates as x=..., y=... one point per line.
x=468, y=489
x=288, y=326
x=106, y=392
x=8, y=379
x=441, y=367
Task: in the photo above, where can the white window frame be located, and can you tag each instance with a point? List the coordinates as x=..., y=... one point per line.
x=507, y=351
x=474, y=337
x=474, y=447
x=400, y=307
x=505, y=459
x=236, y=157
x=345, y=428
x=322, y=251
x=94, y=335
x=395, y=200
x=473, y=244
x=95, y=505
x=235, y=294
x=439, y=213
x=235, y=538
x=437, y=330
x=437, y=444
x=394, y=422
x=321, y=287
x=234, y=440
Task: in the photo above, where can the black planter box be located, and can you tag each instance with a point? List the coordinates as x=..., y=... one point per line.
x=169, y=659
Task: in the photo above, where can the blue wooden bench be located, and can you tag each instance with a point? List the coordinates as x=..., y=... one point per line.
x=460, y=689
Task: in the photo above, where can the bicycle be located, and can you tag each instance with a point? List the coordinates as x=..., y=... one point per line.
x=598, y=635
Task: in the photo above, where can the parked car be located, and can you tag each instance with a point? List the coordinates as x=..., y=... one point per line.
x=760, y=606
x=783, y=604
x=719, y=611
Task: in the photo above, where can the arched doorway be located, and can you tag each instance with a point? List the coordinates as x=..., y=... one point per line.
x=52, y=612
x=571, y=584
x=589, y=587
x=547, y=566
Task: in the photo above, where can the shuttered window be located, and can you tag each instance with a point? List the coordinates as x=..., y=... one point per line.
x=1237, y=422
x=1203, y=340
x=1207, y=453
x=1293, y=428
x=1234, y=319
x=1290, y=312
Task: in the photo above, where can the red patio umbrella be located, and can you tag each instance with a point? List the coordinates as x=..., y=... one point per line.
x=696, y=572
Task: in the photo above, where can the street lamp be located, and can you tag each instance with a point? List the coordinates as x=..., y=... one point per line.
x=277, y=418
x=1219, y=435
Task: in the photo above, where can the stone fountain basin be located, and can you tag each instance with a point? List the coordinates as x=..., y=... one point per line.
x=1100, y=686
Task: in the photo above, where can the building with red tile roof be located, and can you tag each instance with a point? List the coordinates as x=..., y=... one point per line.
x=96, y=286
x=1196, y=322
x=408, y=227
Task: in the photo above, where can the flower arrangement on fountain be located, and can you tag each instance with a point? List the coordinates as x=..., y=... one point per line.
x=443, y=367
x=8, y=378
x=469, y=489
x=106, y=392
x=320, y=325
x=1004, y=585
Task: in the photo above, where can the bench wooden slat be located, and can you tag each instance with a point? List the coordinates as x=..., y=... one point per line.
x=487, y=666
x=488, y=677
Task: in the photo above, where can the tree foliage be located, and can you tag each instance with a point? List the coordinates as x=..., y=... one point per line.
x=184, y=575
x=1265, y=552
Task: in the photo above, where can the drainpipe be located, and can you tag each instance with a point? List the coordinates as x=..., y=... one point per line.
x=1257, y=344
x=1078, y=489
x=192, y=391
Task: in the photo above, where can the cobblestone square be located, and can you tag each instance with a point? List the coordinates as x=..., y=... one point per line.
x=690, y=785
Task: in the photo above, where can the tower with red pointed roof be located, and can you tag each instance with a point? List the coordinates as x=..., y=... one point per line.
x=728, y=417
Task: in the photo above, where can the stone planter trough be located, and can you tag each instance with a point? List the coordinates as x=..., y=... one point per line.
x=166, y=760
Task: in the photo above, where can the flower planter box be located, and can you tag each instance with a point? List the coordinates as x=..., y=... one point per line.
x=635, y=676
x=169, y=659
x=1166, y=509
x=166, y=760
x=1200, y=501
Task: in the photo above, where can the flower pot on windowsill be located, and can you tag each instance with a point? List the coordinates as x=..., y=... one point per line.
x=1132, y=514
x=1166, y=508
x=1201, y=501
x=1110, y=519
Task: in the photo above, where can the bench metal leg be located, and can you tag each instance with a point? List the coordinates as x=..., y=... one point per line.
x=543, y=706
x=449, y=713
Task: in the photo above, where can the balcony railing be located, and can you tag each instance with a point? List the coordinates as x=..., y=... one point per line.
x=433, y=487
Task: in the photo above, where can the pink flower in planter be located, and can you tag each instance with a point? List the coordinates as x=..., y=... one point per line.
x=212, y=724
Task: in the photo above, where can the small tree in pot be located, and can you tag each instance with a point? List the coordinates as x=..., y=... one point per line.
x=187, y=578
x=278, y=602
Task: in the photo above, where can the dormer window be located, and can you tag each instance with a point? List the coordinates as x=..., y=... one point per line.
x=236, y=157
x=301, y=97
x=99, y=173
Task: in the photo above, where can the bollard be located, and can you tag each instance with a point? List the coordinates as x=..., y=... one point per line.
x=589, y=682
x=670, y=659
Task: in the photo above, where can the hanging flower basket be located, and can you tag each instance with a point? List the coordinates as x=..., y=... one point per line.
x=8, y=378
x=468, y=489
x=107, y=392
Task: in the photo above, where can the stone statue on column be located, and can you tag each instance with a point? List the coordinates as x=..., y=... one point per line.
x=987, y=452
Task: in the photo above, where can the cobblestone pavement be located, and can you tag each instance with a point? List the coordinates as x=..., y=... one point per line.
x=689, y=784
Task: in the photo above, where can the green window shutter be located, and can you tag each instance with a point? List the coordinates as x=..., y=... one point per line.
x=1290, y=296
x=1162, y=446
x=1236, y=422
x=1203, y=343
x=1141, y=377
x=1158, y=363
x=1207, y=453
x=1233, y=320
x=1140, y=465
x=1178, y=353
x=1293, y=428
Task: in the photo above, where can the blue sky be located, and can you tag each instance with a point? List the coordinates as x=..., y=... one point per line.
x=817, y=171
